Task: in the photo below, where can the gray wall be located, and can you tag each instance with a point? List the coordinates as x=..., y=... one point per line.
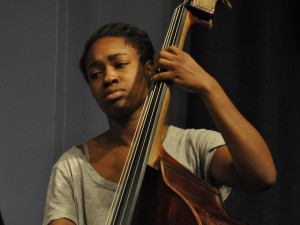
x=46, y=106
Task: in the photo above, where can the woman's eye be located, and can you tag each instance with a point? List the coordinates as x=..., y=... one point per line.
x=95, y=75
x=120, y=65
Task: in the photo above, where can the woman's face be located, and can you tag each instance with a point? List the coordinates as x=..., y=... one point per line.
x=116, y=76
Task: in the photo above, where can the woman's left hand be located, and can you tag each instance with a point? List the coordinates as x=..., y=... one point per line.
x=180, y=68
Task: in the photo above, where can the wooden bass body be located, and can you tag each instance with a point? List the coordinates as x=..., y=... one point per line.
x=175, y=196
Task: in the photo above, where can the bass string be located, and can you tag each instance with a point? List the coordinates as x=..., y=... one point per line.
x=128, y=164
x=140, y=146
x=169, y=41
x=174, y=26
x=124, y=175
x=156, y=88
x=135, y=152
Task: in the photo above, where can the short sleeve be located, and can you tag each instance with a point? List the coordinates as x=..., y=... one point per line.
x=59, y=201
x=194, y=149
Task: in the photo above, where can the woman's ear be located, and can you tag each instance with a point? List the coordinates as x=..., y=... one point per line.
x=149, y=68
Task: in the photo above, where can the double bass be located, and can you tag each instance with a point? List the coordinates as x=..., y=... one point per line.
x=154, y=189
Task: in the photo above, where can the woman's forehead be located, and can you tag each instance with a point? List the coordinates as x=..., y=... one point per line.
x=110, y=47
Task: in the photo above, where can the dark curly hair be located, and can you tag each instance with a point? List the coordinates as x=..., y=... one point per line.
x=134, y=36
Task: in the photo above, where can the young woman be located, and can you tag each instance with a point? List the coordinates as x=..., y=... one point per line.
x=118, y=65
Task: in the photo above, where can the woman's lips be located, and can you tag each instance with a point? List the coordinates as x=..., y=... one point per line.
x=112, y=94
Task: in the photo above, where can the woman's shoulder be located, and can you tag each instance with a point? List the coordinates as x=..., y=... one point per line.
x=203, y=138
x=177, y=131
x=72, y=155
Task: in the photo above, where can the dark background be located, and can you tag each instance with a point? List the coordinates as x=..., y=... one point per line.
x=46, y=107
x=253, y=51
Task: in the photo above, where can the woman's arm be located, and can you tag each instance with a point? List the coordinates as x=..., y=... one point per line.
x=245, y=161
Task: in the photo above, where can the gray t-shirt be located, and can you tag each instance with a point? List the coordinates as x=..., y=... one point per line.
x=77, y=192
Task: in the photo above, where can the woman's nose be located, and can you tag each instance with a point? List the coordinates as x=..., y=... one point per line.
x=110, y=77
